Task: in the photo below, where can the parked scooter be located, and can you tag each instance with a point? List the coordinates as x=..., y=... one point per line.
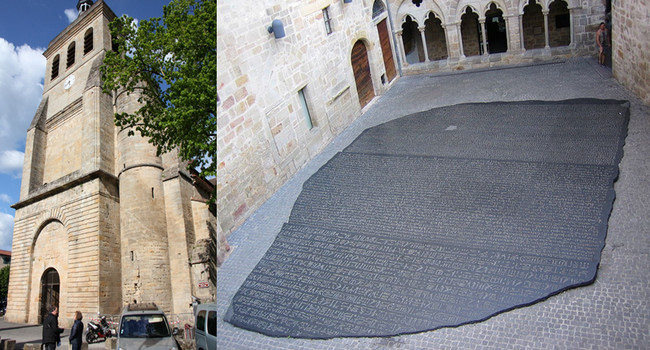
x=98, y=331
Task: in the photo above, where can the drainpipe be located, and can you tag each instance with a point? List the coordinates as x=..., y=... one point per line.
x=392, y=33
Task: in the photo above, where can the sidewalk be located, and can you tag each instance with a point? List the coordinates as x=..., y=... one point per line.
x=611, y=313
x=24, y=334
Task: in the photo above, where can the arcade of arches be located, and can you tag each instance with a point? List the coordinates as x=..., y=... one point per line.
x=424, y=34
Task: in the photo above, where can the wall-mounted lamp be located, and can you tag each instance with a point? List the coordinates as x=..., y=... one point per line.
x=347, y=1
x=277, y=28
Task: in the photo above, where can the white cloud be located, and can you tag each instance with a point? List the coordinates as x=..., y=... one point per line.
x=5, y=198
x=6, y=231
x=21, y=88
x=71, y=14
x=11, y=162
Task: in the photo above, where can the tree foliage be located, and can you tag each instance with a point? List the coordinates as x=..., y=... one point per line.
x=171, y=62
x=4, y=282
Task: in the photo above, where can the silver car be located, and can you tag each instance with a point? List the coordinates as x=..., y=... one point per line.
x=205, y=327
x=144, y=326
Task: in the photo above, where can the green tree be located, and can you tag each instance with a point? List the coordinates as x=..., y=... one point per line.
x=172, y=63
x=4, y=282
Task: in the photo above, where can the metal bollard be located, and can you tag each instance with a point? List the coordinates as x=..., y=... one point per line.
x=32, y=346
x=111, y=343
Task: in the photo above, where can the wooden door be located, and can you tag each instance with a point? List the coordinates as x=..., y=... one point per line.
x=362, y=75
x=389, y=64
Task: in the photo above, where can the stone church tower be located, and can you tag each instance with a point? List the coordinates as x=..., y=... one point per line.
x=102, y=220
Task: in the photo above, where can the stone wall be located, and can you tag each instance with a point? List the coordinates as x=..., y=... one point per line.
x=262, y=136
x=631, y=46
x=64, y=232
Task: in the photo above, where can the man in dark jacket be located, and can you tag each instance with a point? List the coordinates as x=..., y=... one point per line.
x=51, y=330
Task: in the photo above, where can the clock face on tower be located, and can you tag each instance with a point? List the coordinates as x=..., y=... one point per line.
x=68, y=82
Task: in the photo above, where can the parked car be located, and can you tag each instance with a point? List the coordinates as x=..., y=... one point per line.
x=144, y=326
x=205, y=327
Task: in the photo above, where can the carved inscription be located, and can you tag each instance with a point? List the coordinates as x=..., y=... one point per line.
x=415, y=227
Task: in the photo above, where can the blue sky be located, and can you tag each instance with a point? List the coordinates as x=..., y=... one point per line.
x=26, y=28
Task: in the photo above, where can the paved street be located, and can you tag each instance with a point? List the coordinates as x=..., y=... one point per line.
x=612, y=313
x=24, y=334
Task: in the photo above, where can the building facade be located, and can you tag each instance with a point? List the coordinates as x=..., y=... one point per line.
x=465, y=34
x=283, y=98
x=631, y=46
x=5, y=258
x=102, y=220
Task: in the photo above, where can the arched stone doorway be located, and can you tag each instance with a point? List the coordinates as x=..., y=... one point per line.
x=436, y=40
x=533, y=26
x=49, y=269
x=470, y=32
x=362, y=75
x=495, y=27
x=50, y=292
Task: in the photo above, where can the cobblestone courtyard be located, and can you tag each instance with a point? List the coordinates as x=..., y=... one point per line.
x=612, y=313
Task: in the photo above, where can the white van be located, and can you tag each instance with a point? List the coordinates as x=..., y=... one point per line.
x=205, y=327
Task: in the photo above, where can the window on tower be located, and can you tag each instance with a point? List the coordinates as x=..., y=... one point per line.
x=88, y=41
x=70, y=61
x=55, y=67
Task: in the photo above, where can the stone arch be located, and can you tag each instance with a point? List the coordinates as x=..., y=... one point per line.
x=55, y=214
x=469, y=29
x=378, y=8
x=559, y=23
x=407, y=16
x=523, y=3
x=436, y=41
x=499, y=6
x=420, y=13
x=50, y=292
x=49, y=250
x=533, y=25
x=460, y=8
x=432, y=6
x=412, y=40
x=496, y=28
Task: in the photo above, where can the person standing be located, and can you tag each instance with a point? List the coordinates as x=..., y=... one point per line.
x=77, y=331
x=51, y=330
x=602, y=39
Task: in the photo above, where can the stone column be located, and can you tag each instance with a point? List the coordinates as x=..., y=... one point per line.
x=547, y=47
x=508, y=43
x=444, y=28
x=521, y=32
x=400, y=49
x=460, y=40
x=485, y=47
x=571, y=14
x=424, y=43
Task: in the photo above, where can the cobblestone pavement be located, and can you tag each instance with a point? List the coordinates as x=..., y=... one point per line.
x=611, y=313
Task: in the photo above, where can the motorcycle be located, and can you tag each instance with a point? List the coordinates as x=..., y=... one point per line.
x=98, y=331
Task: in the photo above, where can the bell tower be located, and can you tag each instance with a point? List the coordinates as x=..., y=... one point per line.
x=67, y=224
x=83, y=5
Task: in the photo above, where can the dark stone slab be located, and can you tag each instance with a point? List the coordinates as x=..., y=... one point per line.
x=584, y=131
x=414, y=228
